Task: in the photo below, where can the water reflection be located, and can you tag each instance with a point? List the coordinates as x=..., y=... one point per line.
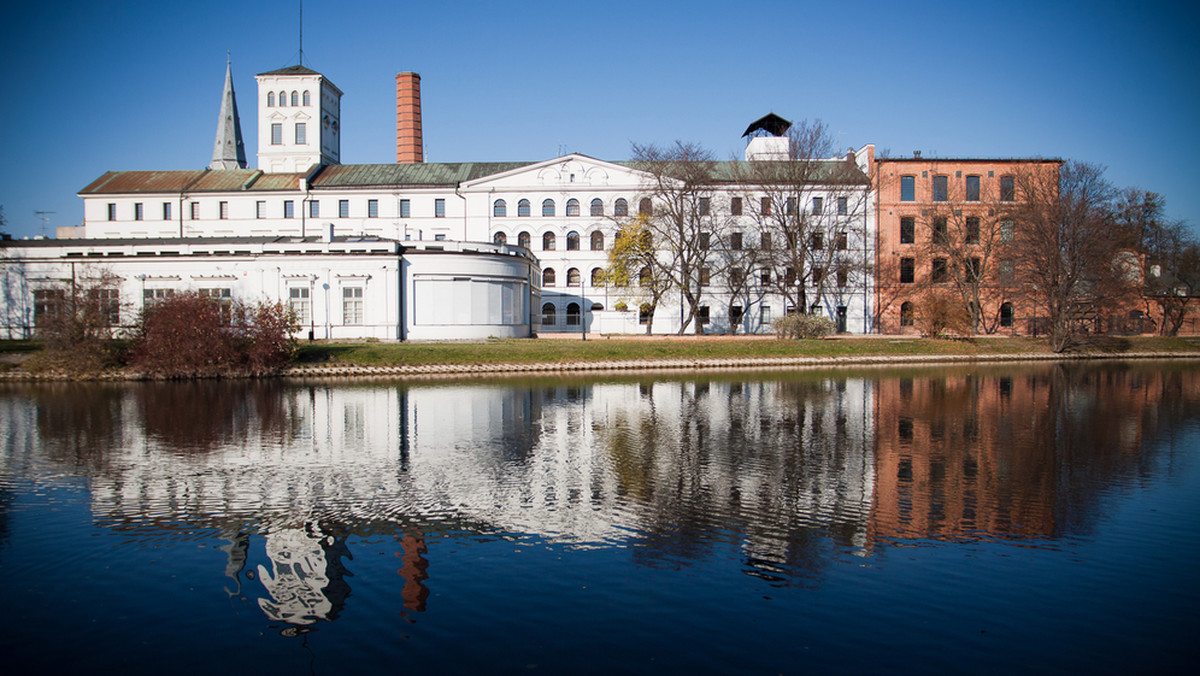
x=792, y=472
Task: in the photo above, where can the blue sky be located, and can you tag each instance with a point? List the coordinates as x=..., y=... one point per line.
x=91, y=87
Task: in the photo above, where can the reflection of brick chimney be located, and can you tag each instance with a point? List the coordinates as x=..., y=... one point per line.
x=408, y=119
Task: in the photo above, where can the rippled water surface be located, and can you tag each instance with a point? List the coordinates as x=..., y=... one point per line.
x=968, y=520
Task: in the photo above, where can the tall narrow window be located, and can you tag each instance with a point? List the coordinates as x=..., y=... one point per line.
x=765, y=241
x=1008, y=191
x=276, y=133
x=704, y=206
x=166, y=211
x=1006, y=315
x=818, y=205
x=301, y=134
x=735, y=241
x=972, y=234
x=843, y=241
x=705, y=276
x=548, y=241
x=1007, y=231
x=621, y=207
x=572, y=241
x=573, y=314
x=704, y=241
x=112, y=211
x=908, y=228
x=295, y=98
x=972, y=188
x=372, y=208
x=907, y=270
x=843, y=205
x=817, y=241
x=222, y=210
x=843, y=277
x=572, y=207
x=270, y=99
x=938, y=272
x=735, y=206
x=352, y=305
x=307, y=98
x=908, y=188
x=405, y=208
x=597, y=241
x=138, y=213
x=523, y=239
x=289, y=209
x=195, y=209
x=260, y=209
x=298, y=301
x=547, y=207
x=790, y=206
x=439, y=208
x=499, y=209
x=314, y=209
x=523, y=208
x=283, y=98
x=940, y=190
x=974, y=269
x=940, y=235
x=645, y=207
x=906, y=314
x=548, y=318
x=765, y=206
x=597, y=207
x=343, y=208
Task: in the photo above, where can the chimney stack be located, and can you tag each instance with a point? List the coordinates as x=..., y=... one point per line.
x=409, y=143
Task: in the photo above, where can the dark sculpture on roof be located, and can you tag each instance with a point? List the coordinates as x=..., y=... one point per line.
x=770, y=123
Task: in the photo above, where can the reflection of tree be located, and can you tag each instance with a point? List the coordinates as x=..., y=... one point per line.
x=81, y=424
x=203, y=415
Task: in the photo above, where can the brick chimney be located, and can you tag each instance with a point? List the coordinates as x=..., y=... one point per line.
x=408, y=119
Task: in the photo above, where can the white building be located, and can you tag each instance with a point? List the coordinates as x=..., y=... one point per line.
x=304, y=221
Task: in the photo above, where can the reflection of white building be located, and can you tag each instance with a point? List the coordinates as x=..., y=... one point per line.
x=307, y=230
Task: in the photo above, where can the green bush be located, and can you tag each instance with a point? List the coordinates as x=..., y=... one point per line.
x=803, y=326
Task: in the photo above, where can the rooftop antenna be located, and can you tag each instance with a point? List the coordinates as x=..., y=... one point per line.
x=45, y=216
x=301, y=32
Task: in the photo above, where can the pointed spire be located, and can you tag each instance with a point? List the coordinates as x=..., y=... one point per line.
x=228, y=151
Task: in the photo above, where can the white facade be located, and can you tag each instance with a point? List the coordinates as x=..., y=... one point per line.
x=299, y=120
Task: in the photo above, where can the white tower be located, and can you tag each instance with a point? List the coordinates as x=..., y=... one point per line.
x=299, y=120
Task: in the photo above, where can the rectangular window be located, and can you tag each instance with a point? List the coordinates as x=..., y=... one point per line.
x=107, y=305
x=166, y=211
x=765, y=277
x=939, y=232
x=705, y=276
x=843, y=241
x=439, y=208
x=907, y=270
x=843, y=206
x=972, y=188
x=1007, y=270
x=789, y=276
x=704, y=237
x=908, y=228
x=766, y=241
x=765, y=204
x=343, y=208
x=908, y=188
x=352, y=305
x=112, y=211
x=301, y=134
x=940, y=189
x=47, y=304
x=260, y=209
x=974, y=269
x=276, y=134
x=789, y=206
x=222, y=210
x=224, y=297
x=439, y=238
x=195, y=208
x=735, y=206
x=704, y=206
x=735, y=241
x=736, y=312
x=937, y=274
x=138, y=213
x=818, y=205
x=289, y=209
x=818, y=241
x=152, y=296
x=703, y=312
x=298, y=301
x=818, y=275
x=372, y=208
x=1007, y=231
x=314, y=209
x=405, y=208
x=765, y=314
x=843, y=277
x=972, y=234
x=1008, y=189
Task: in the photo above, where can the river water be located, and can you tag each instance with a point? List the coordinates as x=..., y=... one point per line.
x=1040, y=518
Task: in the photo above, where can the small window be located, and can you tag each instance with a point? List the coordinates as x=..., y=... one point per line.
x=440, y=237
x=499, y=209
x=818, y=205
x=908, y=188
x=548, y=318
x=1008, y=191
x=735, y=206
x=765, y=277
x=405, y=209
x=789, y=206
x=166, y=211
x=270, y=99
x=907, y=270
x=938, y=273
x=704, y=241
x=314, y=209
x=439, y=208
x=843, y=278
x=547, y=208
x=138, y=213
x=301, y=134
x=549, y=278
x=222, y=210
x=765, y=314
x=843, y=241
x=597, y=276
x=195, y=209
x=735, y=241
x=548, y=241
x=343, y=208
x=295, y=98
x=621, y=207
x=597, y=241
x=646, y=207
x=765, y=206
x=843, y=205
x=573, y=278
x=572, y=314
x=1007, y=231
x=736, y=277
x=940, y=190
x=972, y=234
x=908, y=229
x=307, y=98
x=906, y=314
x=939, y=233
x=572, y=207
x=705, y=206
x=974, y=269
x=572, y=241
x=523, y=208
x=597, y=207
x=1006, y=315
x=703, y=315
x=372, y=208
x=818, y=276
x=765, y=241
x=705, y=276
x=112, y=211
x=276, y=133
x=972, y=189
x=500, y=238
x=260, y=209
x=817, y=241
x=283, y=98
x=289, y=209
x=523, y=239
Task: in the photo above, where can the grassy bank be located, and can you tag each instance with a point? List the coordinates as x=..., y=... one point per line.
x=560, y=350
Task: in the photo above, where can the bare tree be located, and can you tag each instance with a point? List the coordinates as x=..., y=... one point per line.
x=1171, y=253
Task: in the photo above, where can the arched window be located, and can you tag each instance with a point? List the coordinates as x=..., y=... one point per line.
x=499, y=209
x=644, y=277
x=307, y=98
x=1006, y=315
x=644, y=314
x=621, y=207
x=523, y=208
x=270, y=99
x=573, y=277
x=573, y=314
x=523, y=239
x=645, y=208
x=500, y=238
x=572, y=207
x=597, y=276
x=283, y=98
x=548, y=207
x=295, y=98
x=548, y=277
x=548, y=242
x=597, y=207
x=548, y=318
x=906, y=314
x=572, y=241
x=597, y=241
